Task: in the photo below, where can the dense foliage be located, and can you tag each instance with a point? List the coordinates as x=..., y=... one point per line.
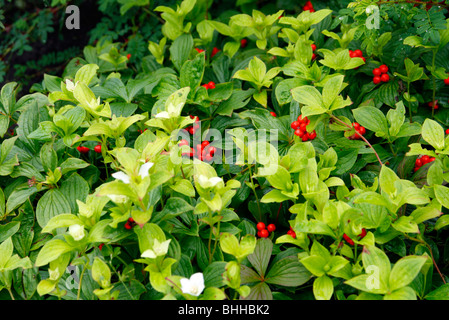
x=227, y=150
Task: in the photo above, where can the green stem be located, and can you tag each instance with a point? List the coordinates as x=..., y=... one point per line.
x=433, y=82
x=409, y=105
x=255, y=193
x=81, y=280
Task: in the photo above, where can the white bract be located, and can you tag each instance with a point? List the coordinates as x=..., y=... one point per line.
x=159, y=249
x=143, y=173
x=206, y=182
x=193, y=286
x=70, y=85
x=77, y=232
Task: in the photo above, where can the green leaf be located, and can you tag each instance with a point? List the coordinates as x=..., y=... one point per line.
x=442, y=195
x=405, y=270
x=288, y=272
x=372, y=119
x=180, y=50
x=376, y=260
x=9, y=229
x=192, y=71
x=433, y=133
x=75, y=188
x=405, y=293
x=323, y=288
x=52, y=203
x=441, y=293
x=52, y=250
x=61, y=221
x=261, y=256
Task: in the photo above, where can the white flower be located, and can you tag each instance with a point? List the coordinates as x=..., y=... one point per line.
x=120, y=175
x=159, y=249
x=70, y=85
x=77, y=232
x=53, y=274
x=143, y=173
x=206, y=182
x=117, y=198
x=193, y=286
x=163, y=115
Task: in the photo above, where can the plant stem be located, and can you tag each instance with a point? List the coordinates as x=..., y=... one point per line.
x=431, y=254
x=255, y=193
x=361, y=136
x=81, y=280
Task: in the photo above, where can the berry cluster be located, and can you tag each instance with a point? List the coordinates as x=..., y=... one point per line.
x=313, y=49
x=380, y=74
x=360, y=236
x=422, y=161
x=291, y=233
x=360, y=129
x=202, y=151
x=300, y=127
x=357, y=54
x=433, y=104
x=308, y=7
x=82, y=149
x=130, y=224
x=264, y=232
x=192, y=129
x=209, y=85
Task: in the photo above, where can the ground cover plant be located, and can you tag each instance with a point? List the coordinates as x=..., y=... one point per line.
x=227, y=150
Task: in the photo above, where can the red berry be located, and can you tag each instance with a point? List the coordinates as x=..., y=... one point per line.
x=264, y=233
x=415, y=169
x=271, y=227
x=211, y=85
x=446, y=81
x=425, y=159
x=418, y=163
x=101, y=246
x=199, y=50
x=82, y=149
x=385, y=77
x=377, y=80
x=295, y=125
x=362, y=130
x=243, y=43
x=377, y=72
x=352, y=54
x=128, y=56
x=273, y=114
x=447, y=131
x=303, y=126
x=312, y=135
x=97, y=148
x=348, y=240
x=299, y=133
x=313, y=56
x=291, y=233
x=383, y=68
x=432, y=159
x=260, y=226
x=305, y=137
x=215, y=50
x=313, y=46
x=358, y=53
x=204, y=143
x=356, y=125
x=300, y=118
x=183, y=142
x=128, y=226
x=362, y=234
x=212, y=151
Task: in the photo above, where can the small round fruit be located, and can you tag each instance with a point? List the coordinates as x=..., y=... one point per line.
x=358, y=53
x=446, y=81
x=204, y=143
x=313, y=46
x=362, y=130
x=356, y=125
x=447, y=131
x=243, y=43
x=260, y=226
x=271, y=227
x=383, y=68
x=377, y=72
x=377, y=80
x=97, y=148
x=295, y=125
x=264, y=233
x=418, y=163
x=273, y=114
x=425, y=159
x=299, y=133
x=385, y=77
x=312, y=135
